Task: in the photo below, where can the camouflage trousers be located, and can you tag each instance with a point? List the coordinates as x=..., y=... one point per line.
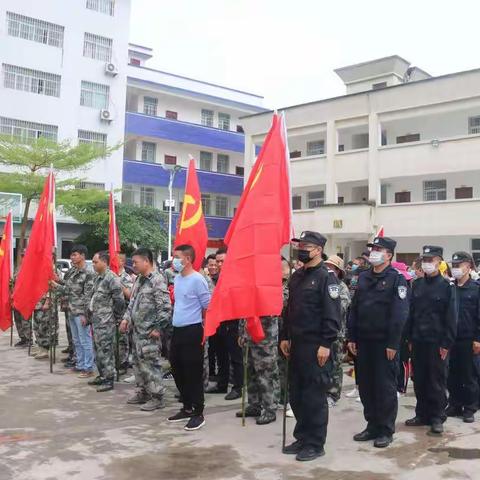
x=206, y=365
x=262, y=368
x=335, y=390
x=146, y=364
x=104, y=341
x=123, y=347
x=43, y=329
x=23, y=326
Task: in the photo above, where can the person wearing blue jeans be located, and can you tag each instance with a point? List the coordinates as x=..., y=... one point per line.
x=82, y=340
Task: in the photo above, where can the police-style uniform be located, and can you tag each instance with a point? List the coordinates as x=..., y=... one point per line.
x=432, y=325
x=378, y=314
x=312, y=319
x=463, y=386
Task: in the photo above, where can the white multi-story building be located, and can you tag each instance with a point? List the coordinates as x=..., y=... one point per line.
x=64, y=70
x=401, y=149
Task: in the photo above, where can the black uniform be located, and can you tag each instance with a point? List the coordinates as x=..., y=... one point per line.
x=462, y=379
x=378, y=314
x=432, y=324
x=312, y=319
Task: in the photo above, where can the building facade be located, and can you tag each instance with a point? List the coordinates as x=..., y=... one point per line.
x=399, y=150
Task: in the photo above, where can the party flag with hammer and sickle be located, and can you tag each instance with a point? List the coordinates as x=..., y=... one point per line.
x=191, y=226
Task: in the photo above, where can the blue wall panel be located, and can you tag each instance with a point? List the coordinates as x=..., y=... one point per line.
x=217, y=226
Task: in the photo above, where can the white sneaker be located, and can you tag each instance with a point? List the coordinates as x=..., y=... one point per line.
x=289, y=412
x=353, y=394
x=130, y=379
x=331, y=402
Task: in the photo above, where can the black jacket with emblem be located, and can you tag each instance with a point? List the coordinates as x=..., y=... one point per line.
x=468, y=298
x=313, y=313
x=433, y=312
x=379, y=307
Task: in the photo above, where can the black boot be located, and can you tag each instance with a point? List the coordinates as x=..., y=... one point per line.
x=105, y=386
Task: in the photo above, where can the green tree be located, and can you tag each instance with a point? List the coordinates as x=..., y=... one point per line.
x=28, y=163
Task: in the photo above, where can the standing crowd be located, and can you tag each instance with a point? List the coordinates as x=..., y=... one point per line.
x=393, y=323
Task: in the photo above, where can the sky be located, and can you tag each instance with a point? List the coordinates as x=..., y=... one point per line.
x=286, y=50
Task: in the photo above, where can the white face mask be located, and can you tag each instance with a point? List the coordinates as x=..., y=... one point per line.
x=458, y=273
x=376, y=258
x=429, y=268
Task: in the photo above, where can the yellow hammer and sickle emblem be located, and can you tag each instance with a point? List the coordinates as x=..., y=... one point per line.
x=195, y=218
x=257, y=176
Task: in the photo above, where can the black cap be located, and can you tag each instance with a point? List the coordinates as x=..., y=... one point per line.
x=311, y=237
x=459, y=257
x=430, y=251
x=383, y=242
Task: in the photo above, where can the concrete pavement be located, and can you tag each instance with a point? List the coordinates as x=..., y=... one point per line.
x=54, y=426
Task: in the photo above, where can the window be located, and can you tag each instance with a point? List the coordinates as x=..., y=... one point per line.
x=316, y=199
x=206, y=204
x=128, y=195
x=360, y=140
x=476, y=250
x=221, y=206
x=206, y=161
x=94, y=138
x=33, y=81
x=463, y=192
x=97, y=47
x=402, y=197
x=35, y=30
x=149, y=152
x=295, y=154
x=170, y=160
x=434, y=190
x=296, y=202
x=378, y=86
x=240, y=129
x=410, y=137
x=316, y=147
x=341, y=200
x=474, y=125
x=240, y=171
x=150, y=106
x=102, y=6
x=171, y=115
x=27, y=131
x=224, y=121
x=223, y=163
x=135, y=61
x=94, y=95
x=147, y=197
x=207, y=117
x=383, y=194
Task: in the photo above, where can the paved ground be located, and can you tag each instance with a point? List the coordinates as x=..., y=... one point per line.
x=54, y=426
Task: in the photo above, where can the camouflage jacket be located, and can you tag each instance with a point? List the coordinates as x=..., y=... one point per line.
x=126, y=280
x=45, y=302
x=149, y=308
x=107, y=304
x=77, y=289
x=345, y=301
x=270, y=329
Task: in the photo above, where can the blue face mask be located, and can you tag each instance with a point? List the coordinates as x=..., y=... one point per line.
x=177, y=265
x=354, y=267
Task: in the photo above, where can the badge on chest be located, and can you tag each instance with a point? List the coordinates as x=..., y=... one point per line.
x=402, y=292
x=333, y=291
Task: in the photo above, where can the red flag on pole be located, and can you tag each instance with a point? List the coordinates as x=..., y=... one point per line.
x=191, y=226
x=250, y=284
x=381, y=232
x=113, y=237
x=37, y=266
x=6, y=273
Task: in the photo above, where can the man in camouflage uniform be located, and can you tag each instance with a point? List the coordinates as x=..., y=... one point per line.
x=262, y=372
x=126, y=282
x=107, y=306
x=336, y=264
x=24, y=328
x=148, y=314
x=77, y=289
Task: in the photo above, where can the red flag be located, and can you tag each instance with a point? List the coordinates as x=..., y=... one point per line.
x=37, y=266
x=6, y=272
x=113, y=237
x=191, y=226
x=381, y=232
x=250, y=284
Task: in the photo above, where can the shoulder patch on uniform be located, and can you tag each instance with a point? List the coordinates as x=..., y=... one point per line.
x=334, y=291
x=402, y=292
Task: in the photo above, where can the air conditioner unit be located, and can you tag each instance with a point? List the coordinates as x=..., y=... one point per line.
x=106, y=115
x=111, y=69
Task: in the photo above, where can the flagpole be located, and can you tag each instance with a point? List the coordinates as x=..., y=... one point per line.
x=245, y=380
x=51, y=322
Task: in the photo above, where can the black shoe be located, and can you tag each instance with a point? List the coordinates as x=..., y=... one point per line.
x=216, y=389
x=233, y=395
x=309, y=453
x=195, y=422
x=415, y=422
x=180, y=416
x=383, y=441
x=265, y=418
x=293, y=448
x=249, y=412
x=365, y=436
x=98, y=380
x=66, y=350
x=168, y=376
x=105, y=386
x=67, y=359
x=436, y=428
x=468, y=417
x=453, y=411
x=21, y=343
x=69, y=364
